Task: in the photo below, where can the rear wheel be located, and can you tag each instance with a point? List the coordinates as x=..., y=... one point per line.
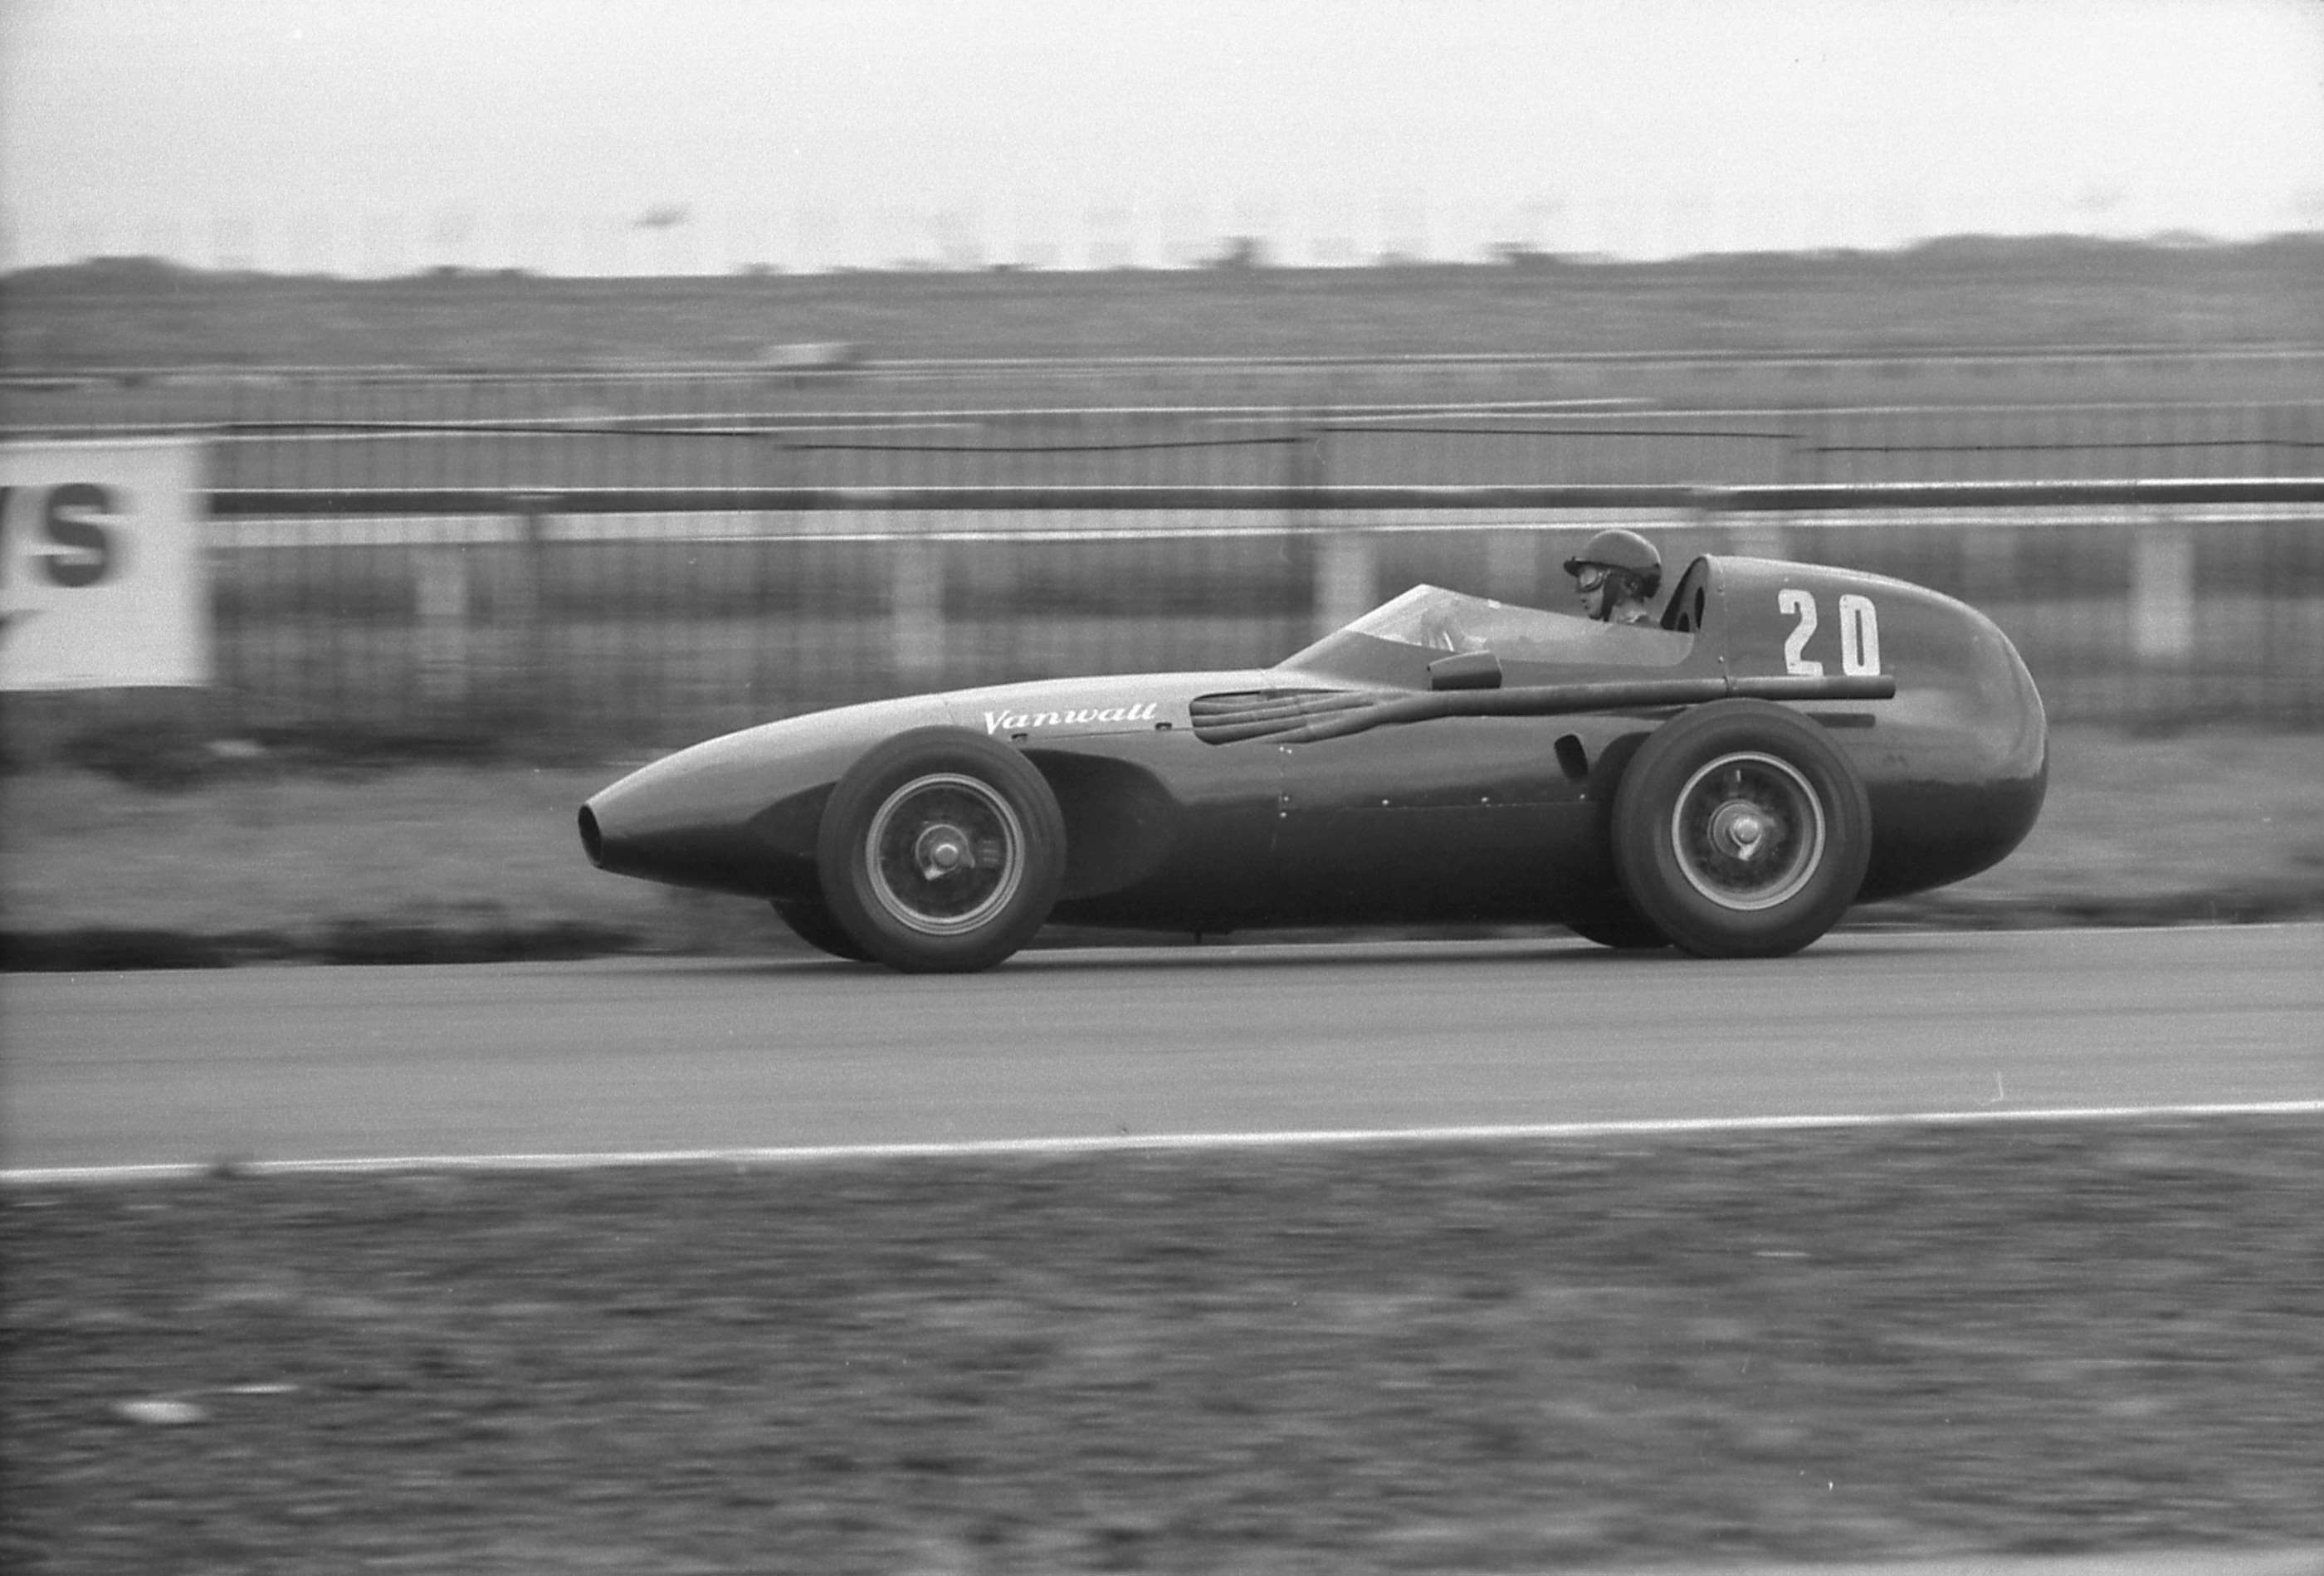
x=1741, y=830
x=941, y=851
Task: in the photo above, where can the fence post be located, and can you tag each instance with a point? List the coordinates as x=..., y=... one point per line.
x=1800, y=460
x=525, y=609
x=2163, y=589
x=1513, y=564
x=2162, y=611
x=1346, y=567
x=1989, y=557
x=443, y=599
x=916, y=610
x=1347, y=575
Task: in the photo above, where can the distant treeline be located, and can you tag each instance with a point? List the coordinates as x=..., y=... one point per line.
x=1972, y=292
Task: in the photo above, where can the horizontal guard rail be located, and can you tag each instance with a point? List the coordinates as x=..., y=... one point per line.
x=294, y=503
x=1300, y=719
x=755, y=371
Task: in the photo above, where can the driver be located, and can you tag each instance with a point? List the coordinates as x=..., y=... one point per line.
x=1616, y=574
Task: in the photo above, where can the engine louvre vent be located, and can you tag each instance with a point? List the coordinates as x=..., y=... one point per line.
x=1260, y=713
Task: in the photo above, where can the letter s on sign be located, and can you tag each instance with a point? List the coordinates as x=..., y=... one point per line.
x=80, y=550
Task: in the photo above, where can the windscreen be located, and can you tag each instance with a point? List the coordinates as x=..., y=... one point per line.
x=1440, y=620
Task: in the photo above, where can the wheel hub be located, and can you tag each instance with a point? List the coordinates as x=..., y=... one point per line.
x=942, y=851
x=1747, y=831
x=1740, y=830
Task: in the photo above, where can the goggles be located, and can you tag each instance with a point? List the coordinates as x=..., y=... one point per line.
x=1591, y=577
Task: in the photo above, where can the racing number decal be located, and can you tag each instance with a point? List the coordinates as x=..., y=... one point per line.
x=1859, y=634
x=1802, y=606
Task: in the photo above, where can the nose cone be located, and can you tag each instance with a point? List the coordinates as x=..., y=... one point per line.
x=738, y=813
x=675, y=821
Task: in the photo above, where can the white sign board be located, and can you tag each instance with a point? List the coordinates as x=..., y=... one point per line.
x=101, y=583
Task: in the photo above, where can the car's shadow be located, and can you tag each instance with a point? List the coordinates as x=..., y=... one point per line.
x=1548, y=950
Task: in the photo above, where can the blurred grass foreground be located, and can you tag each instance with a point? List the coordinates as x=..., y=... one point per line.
x=416, y=657
x=1957, y=1344
x=260, y=860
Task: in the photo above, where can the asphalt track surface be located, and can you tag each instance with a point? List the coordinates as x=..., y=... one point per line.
x=651, y=1057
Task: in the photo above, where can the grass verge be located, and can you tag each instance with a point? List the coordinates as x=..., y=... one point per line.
x=2037, y=1339
x=480, y=862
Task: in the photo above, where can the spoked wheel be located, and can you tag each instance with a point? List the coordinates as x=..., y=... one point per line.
x=941, y=851
x=944, y=854
x=1741, y=830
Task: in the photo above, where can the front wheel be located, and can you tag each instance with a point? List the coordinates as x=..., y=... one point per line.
x=941, y=851
x=812, y=923
x=1741, y=830
x=1620, y=927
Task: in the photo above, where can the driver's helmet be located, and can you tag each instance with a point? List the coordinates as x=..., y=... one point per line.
x=1625, y=552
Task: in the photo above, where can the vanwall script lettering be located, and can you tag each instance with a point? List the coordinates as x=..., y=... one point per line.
x=1018, y=722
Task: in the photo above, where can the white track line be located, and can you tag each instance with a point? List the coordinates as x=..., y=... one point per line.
x=1128, y=1144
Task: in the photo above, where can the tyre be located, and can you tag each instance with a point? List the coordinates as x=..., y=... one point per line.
x=812, y=923
x=1622, y=929
x=941, y=851
x=1741, y=830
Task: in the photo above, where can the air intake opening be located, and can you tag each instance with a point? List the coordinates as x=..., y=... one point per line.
x=1572, y=758
x=593, y=842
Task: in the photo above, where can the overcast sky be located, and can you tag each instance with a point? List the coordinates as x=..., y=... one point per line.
x=623, y=136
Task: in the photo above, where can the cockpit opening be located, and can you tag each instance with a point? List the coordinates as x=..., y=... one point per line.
x=1452, y=623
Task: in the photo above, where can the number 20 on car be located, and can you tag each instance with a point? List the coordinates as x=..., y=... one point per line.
x=1859, y=634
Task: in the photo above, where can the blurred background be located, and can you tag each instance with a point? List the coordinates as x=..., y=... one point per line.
x=561, y=384
x=558, y=372
x=648, y=551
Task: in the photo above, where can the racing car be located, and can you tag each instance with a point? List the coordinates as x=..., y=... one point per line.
x=1784, y=741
